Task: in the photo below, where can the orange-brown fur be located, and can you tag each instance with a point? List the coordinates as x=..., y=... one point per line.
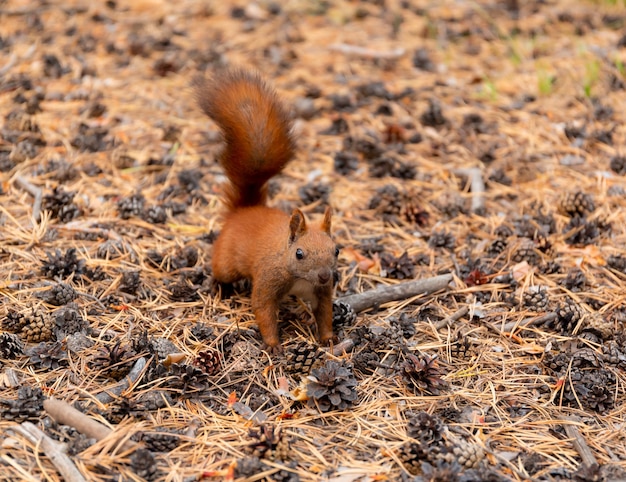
x=280, y=254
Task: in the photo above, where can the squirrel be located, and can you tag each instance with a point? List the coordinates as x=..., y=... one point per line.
x=281, y=254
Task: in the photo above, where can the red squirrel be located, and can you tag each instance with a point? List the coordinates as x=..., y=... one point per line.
x=281, y=254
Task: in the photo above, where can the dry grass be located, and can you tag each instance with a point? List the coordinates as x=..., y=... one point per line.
x=530, y=81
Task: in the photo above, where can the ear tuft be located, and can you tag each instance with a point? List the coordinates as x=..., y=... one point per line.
x=297, y=225
x=326, y=222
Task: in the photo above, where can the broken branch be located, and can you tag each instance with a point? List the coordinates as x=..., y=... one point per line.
x=384, y=294
x=365, y=52
x=133, y=376
x=64, y=414
x=34, y=191
x=55, y=451
x=579, y=443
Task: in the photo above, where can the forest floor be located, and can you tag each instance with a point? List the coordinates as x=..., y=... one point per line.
x=475, y=141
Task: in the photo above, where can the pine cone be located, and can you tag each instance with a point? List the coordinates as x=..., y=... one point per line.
x=412, y=210
x=568, y=313
x=556, y=362
x=442, y=239
x=13, y=322
x=60, y=205
x=422, y=374
x=209, y=361
x=413, y=455
x=343, y=314
x=387, y=201
x=283, y=449
x=536, y=298
x=595, y=389
x=265, y=440
x=461, y=345
x=467, y=455
x=312, y=192
x=10, y=346
x=526, y=251
x=60, y=265
x=154, y=214
x=161, y=440
x=366, y=361
x=124, y=407
x=59, y=294
x=397, y=267
x=394, y=337
x=113, y=249
x=404, y=324
x=426, y=428
x=162, y=347
x=345, y=162
x=550, y=267
x=79, y=443
x=496, y=247
x=383, y=166
x=433, y=116
x=585, y=357
x=617, y=262
x=612, y=353
x=38, y=327
x=116, y=360
x=575, y=280
x=581, y=232
x=576, y=204
x=28, y=406
x=503, y=232
x=182, y=290
x=131, y=282
x=331, y=386
x=143, y=464
x=131, y=206
x=69, y=321
x=190, y=380
x=301, y=357
x=618, y=164
x=202, y=332
x=48, y=355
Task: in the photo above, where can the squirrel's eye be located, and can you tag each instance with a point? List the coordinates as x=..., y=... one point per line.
x=299, y=253
x=336, y=252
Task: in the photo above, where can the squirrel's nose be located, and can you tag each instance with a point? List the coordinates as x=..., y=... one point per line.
x=324, y=276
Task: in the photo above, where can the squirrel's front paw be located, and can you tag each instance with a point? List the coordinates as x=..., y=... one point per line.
x=330, y=340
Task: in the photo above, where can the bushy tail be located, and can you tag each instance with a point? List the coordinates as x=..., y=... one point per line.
x=256, y=129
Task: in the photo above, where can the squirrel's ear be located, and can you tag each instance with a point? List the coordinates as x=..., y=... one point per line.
x=326, y=221
x=297, y=225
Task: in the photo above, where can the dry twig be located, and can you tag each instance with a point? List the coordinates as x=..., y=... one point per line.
x=55, y=451
x=384, y=294
x=133, y=377
x=34, y=191
x=579, y=443
x=477, y=186
x=537, y=320
x=365, y=52
x=457, y=315
x=343, y=347
x=64, y=414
